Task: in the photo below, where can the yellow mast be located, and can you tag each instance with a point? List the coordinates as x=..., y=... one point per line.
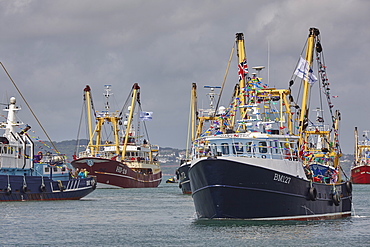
x=134, y=94
x=88, y=101
x=94, y=147
x=235, y=104
x=284, y=94
x=356, y=159
x=304, y=107
x=241, y=57
x=336, y=153
x=193, y=110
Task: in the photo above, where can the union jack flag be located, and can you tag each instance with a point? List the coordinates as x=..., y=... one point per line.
x=242, y=69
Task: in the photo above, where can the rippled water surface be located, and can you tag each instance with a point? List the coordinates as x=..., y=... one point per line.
x=163, y=216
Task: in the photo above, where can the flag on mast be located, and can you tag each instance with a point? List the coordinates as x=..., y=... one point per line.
x=304, y=71
x=146, y=116
x=242, y=69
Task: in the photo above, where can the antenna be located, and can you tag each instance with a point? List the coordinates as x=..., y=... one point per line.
x=106, y=95
x=212, y=95
x=366, y=132
x=258, y=69
x=268, y=62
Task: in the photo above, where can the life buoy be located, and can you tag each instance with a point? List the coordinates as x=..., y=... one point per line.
x=312, y=193
x=336, y=198
x=42, y=188
x=8, y=191
x=349, y=187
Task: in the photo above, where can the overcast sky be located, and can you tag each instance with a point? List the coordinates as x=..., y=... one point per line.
x=53, y=49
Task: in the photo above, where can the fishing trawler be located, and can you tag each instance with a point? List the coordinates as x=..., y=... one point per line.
x=123, y=158
x=182, y=174
x=259, y=167
x=197, y=119
x=360, y=171
x=25, y=176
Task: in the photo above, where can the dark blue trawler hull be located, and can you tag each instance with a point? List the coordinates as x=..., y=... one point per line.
x=229, y=189
x=183, y=177
x=29, y=188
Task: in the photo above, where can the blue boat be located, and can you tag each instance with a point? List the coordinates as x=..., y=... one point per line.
x=25, y=176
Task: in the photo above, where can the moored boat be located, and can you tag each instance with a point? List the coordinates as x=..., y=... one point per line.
x=360, y=171
x=182, y=174
x=123, y=158
x=259, y=168
x=202, y=121
x=25, y=176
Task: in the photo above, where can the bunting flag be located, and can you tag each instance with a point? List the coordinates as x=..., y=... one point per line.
x=146, y=116
x=242, y=69
x=304, y=71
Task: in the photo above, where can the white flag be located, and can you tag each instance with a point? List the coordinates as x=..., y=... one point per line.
x=146, y=116
x=303, y=71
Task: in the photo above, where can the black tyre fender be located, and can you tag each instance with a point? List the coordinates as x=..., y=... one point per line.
x=8, y=191
x=312, y=193
x=349, y=187
x=336, y=199
x=93, y=183
x=42, y=188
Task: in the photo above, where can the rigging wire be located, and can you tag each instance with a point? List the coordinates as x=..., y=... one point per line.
x=79, y=128
x=189, y=126
x=29, y=107
x=146, y=131
x=225, y=76
x=126, y=102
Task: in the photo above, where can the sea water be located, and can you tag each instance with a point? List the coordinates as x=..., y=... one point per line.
x=163, y=216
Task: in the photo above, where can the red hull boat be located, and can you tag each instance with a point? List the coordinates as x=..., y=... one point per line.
x=360, y=171
x=117, y=173
x=360, y=174
x=122, y=158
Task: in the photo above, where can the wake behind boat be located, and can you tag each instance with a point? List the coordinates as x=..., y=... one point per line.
x=123, y=158
x=25, y=176
x=259, y=168
x=360, y=171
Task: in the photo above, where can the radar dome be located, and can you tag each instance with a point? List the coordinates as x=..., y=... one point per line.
x=12, y=100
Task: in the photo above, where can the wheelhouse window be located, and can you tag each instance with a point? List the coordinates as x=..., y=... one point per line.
x=248, y=147
x=225, y=148
x=238, y=148
x=275, y=147
x=262, y=147
x=214, y=149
